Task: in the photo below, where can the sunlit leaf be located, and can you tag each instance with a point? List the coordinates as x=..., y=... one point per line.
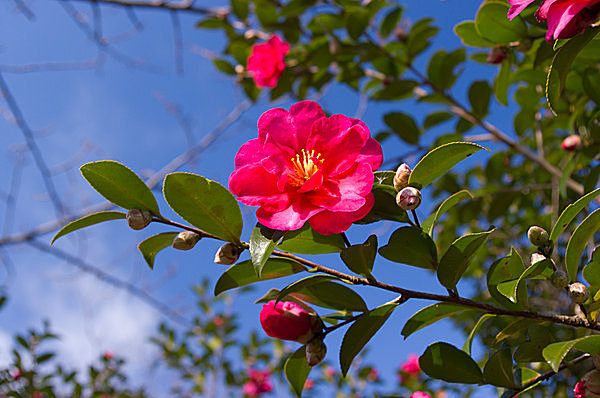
x=86, y=221
x=150, y=247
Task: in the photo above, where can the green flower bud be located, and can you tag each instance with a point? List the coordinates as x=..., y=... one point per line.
x=138, y=218
x=409, y=198
x=315, y=351
x=559, y=279
x=578, y=292
x=185, y=240
x=401, y=177
x=227, y=254
x=538, y=236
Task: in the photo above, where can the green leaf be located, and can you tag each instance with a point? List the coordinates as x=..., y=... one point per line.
x=556, y=352
x=456, y=259
x=404, y=126
x=469, y=342
x=390, y=21
x=360, y=258
x=511, y=289
x=435, y=118
x=446, y=205
x=570, y=212
x=86, y=221
x=263, y=241
x=469, y=35
x=440, y=70
x=445, y=362
x=502, y=270
x=411, y=246
x=439, y=161
x=296, y=370
x=502, y=82
x=430, y=315
x=307, y=241
x=479, y=97
x=242, y=274
x=357, y=21
x=361, y=331
x=150, y=247
x=498, y=370
x=385, y=208
x=582, y=234
x=513, y=328
x=591, y=272
x=561, y=65
x=119, y=185
x=205, y=204
x=224, y=66
x=240, y=8
x=492, y=24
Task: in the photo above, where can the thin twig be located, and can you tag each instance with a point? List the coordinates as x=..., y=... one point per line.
x=177, y=42
x=21, y=6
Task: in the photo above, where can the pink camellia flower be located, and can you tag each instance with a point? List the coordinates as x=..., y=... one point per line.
x=373, y=375
x=571, y=143
x=566, y=18
x=287, y=320
x=266, y=62
x=410, y=368
x=308, y=384
x=588, y=386
x=305, y=166
x=329, y=372
x=419, y=394
x=259, y=383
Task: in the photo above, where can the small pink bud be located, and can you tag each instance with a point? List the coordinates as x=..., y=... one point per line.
x=538, y=236
x=185, y=240
x=218, y=321
x=16, y=374
x=578, y=292
x=401, y=177
x=108, y=354
x=559, y=279
x=329, y=372
x=588, y=386
x=373, y=375
x=308, y=384
x=409, y=198
x=315, y=351
x=411, y=366
x=571, y=143
x=419, y=394
x=497, y=55
x=138, y=218
x=287, y=320
x=227, y=254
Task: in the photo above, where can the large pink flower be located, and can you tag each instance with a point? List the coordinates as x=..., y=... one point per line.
x=566, y=18
x=266, y=62
x=305, y=166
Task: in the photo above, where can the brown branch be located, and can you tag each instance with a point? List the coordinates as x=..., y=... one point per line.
x=187, y=6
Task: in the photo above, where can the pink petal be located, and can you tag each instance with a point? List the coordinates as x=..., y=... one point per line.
x=563, y=19
x=517, y=7
x=346, y=193
x=312, y=183
x=289, y=219
x=330, y=222
x=371, y=154
x=254, y=186
x=250, y=153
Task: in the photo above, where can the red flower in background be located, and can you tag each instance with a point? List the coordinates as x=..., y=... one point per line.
x=266, y=62
x=259, y=383
x=287, y=320
x=410, y=368
x=566, y=18
x=305, y=166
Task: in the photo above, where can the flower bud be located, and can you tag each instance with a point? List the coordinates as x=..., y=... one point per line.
x=536, y=258
x=559, y=279
x=571, y=143
x=315, y=351
x=401, y=177
x=596, y=360
x=227, y=254
x=578, y=292
x=408, y=198
x=185, y=240
x=538, y=236
x=588, y=386
x=138, y=218
x=497, y=55
x=287, y=320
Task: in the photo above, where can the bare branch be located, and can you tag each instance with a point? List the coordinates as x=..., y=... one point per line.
x=50, y=66
x=178, y=42
x=185, y=5
x=21, y=6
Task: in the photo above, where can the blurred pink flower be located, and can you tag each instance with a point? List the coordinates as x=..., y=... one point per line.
x=308, y=384
x=420, y=394
x=259, y=383
x=306, y=167
x=329, y=372
x=410, y=368
x=266, y=62
x=373, y=375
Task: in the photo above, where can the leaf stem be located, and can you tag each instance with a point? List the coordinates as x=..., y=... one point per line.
x=414, y=213
x=346, y=240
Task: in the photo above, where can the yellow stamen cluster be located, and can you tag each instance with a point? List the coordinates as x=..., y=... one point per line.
x=306, y=164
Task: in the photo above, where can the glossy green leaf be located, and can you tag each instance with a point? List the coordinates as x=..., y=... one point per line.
x=441, y=68
x=469, y=35
x=242, y=273
x=361, y=331
x=513, y=328
x=556, y=352
x=430, y=315
x=439, y=161
x=86, y=221
x=479, y=97
x=446, y=205
x=510, y=289
x=150, y=247
x=570, y=212
x=455, y=261
x=502, y=270
x=435, y=118
x=492, y=24
x=561, y=65
x=469, y=342
x=445, y=362
x=119, y=185
x=582, y=234
x=404, y=126
x=205, y=204
x=498, y=370
x=502, y=82
x=308, y=241
x=385, y=208
x=360, y=258
x=296, y=370
x=591, y=272
x=263, y=241
x=411, y=246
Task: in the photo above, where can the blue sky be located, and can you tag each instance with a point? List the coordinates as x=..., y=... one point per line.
x=115, y=111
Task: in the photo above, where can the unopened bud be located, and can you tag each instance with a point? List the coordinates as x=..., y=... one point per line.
x=497, y=55
x=538, y=236
x=138, y=218
x=408, y=198
x=315, y=351
x=401, y=177
x=578, y=292
x=334, y=45
x=571, y=143
x=524, y=45
x=559, y=279
x=227, y=254
x=239, y=69
x=596, y=360
x=536, y=258
x=185, y=240
x=588, y=386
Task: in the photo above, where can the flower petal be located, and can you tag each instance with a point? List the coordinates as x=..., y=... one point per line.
x=335, y=222
x=346, y=193
x=250, y=153
x=254, y=186
x=291, y=218
x=517, y=7
x=371, y=154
